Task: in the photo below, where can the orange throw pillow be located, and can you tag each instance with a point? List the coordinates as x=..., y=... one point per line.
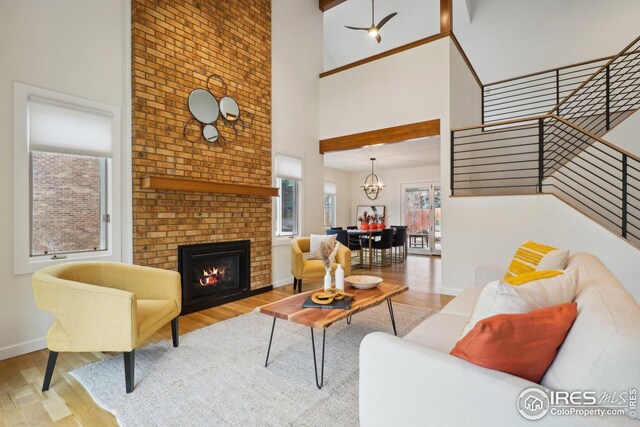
x=519, y=344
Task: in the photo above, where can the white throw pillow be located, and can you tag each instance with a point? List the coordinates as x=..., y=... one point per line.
x=555, y=260
x=316, y=239
x=499, y=297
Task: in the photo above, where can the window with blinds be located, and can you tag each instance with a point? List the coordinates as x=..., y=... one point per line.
x=70, y=148
x=329, y=209
x=289, y=181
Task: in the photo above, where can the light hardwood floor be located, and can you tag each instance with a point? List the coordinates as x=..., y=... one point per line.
x=68, y=404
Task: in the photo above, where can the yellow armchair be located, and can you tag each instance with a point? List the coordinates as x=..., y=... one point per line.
x=303, y=268
x=106, y=306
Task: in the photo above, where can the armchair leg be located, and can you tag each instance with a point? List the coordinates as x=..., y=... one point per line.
x=129, y=369
x=175, y=332
x=299, y=285
x=295, y=283
x=51, y=364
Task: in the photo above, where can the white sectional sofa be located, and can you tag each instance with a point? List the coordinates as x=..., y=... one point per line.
x=413, y=381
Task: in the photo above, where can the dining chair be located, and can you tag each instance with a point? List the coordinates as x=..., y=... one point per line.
x=355, y=246
x=400, y=244
x=383, y=248
x=335, y=228
x=341, y=236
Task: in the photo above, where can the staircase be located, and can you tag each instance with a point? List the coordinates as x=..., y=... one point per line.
x=552, y=141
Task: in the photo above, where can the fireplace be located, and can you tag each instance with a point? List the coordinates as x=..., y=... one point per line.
x=213, y=274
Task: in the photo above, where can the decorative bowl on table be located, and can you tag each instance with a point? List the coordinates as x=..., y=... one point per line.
x=363, y=282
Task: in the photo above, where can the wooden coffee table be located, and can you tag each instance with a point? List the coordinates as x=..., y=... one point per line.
x=291, y=309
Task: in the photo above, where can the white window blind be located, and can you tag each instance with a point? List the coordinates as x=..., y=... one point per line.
x=330, y=188
x=288, y=167
x=69, y=129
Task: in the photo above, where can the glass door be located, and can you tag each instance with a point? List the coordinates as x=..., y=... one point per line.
x=422, y=215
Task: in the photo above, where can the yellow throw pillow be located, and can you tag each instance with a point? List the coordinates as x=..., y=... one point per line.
x=532, y=256
x=521, y=279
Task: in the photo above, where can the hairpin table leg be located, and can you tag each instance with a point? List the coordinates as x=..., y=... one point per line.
x=319, y=382
x=266, y=362
x=393, y=319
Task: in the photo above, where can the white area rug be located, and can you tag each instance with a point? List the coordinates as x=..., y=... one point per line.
x=217, y=375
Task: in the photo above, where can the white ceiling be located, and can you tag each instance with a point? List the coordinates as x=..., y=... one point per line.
x=416, y=19
x=407, y=154
x=502, y=38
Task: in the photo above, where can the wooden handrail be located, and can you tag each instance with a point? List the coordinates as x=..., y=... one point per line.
x=455, y=41
x=622, y=52
x=390, y=52
x=408, y=46
x=550, y=70
x=560, y=119
x=504, y=122
x=596, y=137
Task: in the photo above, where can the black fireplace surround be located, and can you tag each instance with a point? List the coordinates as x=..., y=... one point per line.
x=214, y=274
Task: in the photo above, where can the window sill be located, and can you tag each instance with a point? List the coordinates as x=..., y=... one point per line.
x=282, y=240
x=29, y=266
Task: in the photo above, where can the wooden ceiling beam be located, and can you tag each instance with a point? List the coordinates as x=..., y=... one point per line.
x=446, y=16
x=381, y=136
x=328, y=4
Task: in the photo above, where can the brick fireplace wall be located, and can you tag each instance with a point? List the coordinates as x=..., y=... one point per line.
x=176, y=45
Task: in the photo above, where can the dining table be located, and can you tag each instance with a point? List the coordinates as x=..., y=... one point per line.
x=370, y=234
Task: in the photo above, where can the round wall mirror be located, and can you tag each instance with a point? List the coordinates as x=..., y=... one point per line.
x=229, y=109
x=203, y=106
x=210, y=133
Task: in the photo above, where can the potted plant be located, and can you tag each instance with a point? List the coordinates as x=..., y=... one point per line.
x=364, y=221
x=381, y=224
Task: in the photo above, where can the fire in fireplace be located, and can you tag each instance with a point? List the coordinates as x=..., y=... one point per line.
x=213, y=274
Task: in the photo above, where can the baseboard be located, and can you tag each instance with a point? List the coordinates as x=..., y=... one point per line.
x=23, y=348
x=449, y=291
x=261, y=290
x=283, y=282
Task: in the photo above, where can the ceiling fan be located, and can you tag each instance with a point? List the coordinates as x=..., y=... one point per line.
x=374, y=30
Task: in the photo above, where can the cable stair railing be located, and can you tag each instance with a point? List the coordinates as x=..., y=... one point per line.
x=609, y=96
x=562, y=152
x=542, y=92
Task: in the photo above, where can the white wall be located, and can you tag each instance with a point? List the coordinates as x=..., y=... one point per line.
x=509, y=38
x=627, y=134
x=297, y=61
x=490, y=229
x=392, y=197
x=408, y=87
x=342, y=179
x=465, y=101
x=77, y=47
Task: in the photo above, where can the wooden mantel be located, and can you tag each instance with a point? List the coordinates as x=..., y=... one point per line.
x=166, y=182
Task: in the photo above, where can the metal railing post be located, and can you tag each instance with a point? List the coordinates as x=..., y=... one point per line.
x=540, y=154
x=452, y=175
x=482, y=102
x=608, y=99
x=624, y=196
x=558, y=89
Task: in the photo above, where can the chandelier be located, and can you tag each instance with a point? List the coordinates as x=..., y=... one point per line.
x=372, y=187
